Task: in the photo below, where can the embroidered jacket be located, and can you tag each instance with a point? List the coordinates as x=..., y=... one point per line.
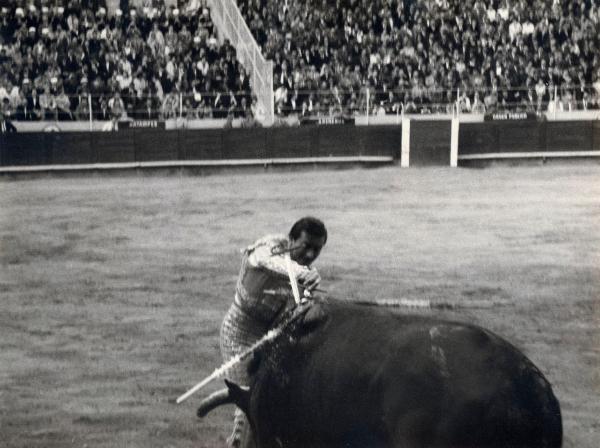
x=263, y=288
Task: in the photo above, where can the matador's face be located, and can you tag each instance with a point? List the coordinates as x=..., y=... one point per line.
x=306, y=248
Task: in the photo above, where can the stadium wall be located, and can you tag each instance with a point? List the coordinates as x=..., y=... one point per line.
x=528, y=139
x=155, y=147
x=426, y=143
x=429, y=143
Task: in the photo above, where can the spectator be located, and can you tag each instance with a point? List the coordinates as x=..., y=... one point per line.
x=228, y=120
x=478, y=106
x=464, y=103
x=48, y=108
x=63, y=106
x=189, y=112
x=7, y=108
x=156, y=40
x=147, y=110
x=123, y=79
x=540, y=95
x=170, y=106
x=139, y=83
x=6, y=125
x=257, y=110
x=596, y=84
x=82, y=112
x=31, y=107
x=116, y=106
x=205, y=109
x=248, y=120
x=594, y=102
x=410, y=107
x=4, y=88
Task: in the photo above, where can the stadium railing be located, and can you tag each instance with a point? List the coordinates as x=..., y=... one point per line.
x=104, y=111
x=236, y=109
x=425, y=101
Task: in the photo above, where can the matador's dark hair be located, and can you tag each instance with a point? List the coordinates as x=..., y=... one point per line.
x=312, y=226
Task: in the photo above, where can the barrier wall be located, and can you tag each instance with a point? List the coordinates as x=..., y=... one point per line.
x=429, y=143
x=153, y=145
x=596, y=136
x=527, y=138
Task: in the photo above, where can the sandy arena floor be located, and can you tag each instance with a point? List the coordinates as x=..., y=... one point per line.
x=112, y=288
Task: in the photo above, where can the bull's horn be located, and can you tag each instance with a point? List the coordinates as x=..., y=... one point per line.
x=213, y=401
x=240, y=395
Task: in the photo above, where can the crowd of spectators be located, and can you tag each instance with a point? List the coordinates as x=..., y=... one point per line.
x=150, y=62
x=331, y=57
x=421, y=56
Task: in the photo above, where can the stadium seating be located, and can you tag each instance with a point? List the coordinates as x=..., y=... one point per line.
x=152, y=62
x=424, y=55
x=331, y=57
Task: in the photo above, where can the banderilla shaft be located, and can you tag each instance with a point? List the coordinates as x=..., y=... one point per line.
x=271, y=334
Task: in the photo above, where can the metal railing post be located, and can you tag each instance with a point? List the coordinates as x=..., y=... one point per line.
x=90, y=108
x=368, y=104
x=457, y=101
x=555, y=101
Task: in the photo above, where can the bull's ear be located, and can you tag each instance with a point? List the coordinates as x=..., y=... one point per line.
x=240, y=395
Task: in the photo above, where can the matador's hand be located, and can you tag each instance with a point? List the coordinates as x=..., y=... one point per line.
x=309, y=279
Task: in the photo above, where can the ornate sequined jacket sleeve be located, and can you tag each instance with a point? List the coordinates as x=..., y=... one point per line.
x=267, y=255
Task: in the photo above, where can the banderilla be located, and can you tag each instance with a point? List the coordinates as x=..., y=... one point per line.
x=224, y=368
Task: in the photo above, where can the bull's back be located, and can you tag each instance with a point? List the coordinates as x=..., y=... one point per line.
x=370, y=377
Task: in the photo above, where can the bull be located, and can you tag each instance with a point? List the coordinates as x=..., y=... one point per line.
x=354, y=376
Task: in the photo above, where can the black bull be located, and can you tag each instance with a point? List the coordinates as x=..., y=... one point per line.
x=356, y=376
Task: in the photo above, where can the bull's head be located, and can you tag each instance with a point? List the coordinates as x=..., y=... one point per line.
x=240, y=395
x=311, y=317
x=265, y=371
x=232, y=394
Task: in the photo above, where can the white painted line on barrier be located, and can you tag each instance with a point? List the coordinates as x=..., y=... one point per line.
x=197, y=163
x=454, y=143
x=524, y=155
x=405, y=153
